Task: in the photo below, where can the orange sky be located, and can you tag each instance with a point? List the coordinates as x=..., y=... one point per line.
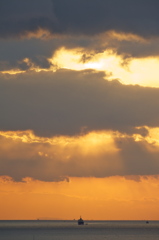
x=105, y=198
x=129, y=197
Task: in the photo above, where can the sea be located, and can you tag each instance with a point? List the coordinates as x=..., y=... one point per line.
x=70, y=230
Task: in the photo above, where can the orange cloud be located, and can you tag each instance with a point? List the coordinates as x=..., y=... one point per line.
x=95, y=154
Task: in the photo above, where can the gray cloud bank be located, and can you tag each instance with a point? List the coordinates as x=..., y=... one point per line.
x=13, y=53
x=91, y=17
x=73, y=102
x=20, y=160
x=65, y=102
x=18, y=18
x=74, y=24
x=79, y=17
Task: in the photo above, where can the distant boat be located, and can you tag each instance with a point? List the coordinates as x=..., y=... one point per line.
x=80, y=221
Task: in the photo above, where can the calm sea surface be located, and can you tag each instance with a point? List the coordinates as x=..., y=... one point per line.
x=69, y=230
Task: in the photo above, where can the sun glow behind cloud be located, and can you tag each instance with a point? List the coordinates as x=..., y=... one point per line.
x=84, y=152
x=142, y=71
x=76, y=137
x=94, y=198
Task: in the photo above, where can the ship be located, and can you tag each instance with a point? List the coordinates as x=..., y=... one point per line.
x=80, y=221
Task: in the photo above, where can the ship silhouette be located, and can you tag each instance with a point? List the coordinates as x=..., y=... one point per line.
x=80, y=221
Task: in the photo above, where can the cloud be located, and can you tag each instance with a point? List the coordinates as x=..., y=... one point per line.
x=65, y=102
x=93, y=17
x=131, y=48
x=38, y=51
x=19, y=18
x=13, y=53
x=58, y=159
x=116, y=25
x=138, y=157
x=35, y=53
x=79, y=17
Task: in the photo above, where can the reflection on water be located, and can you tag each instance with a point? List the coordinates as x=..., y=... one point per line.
x=70, y=230
x=73, y=224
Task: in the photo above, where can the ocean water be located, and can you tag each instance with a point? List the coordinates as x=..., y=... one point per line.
x=69, y=230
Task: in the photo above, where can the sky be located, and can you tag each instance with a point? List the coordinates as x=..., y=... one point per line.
x=79, y=122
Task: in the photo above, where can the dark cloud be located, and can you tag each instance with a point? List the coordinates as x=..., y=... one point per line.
x=93, y=17
x=18, y=18
x=138, y=157
x=53, y=162
x=23, y=160
x=14, y=52
x=70, y=24
x=134, y=48
x=65, y=102
x=89, y=17
x=75, y=102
